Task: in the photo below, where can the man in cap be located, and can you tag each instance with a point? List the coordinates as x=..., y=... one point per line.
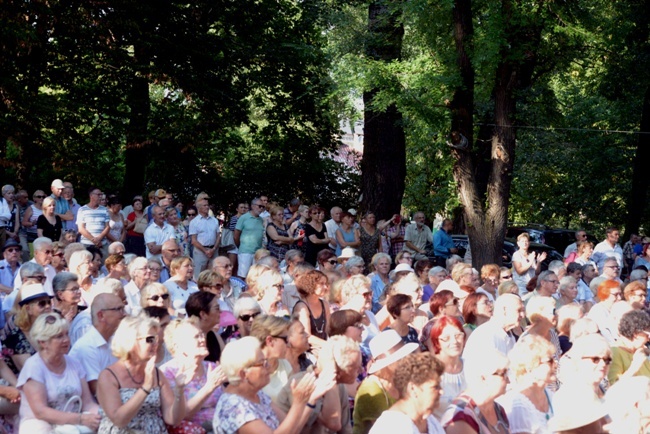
x=61, y=207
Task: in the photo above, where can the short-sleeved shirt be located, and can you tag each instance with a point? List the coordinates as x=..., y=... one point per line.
x=93, y=352
x=61, y=205
x=157, y=235
x=60, y=387
x=523, y=416
x=418, y=237
x=233, y=412
x=252, y=233
x=205, y=229
x=179, y=295
x=95, y=220
x=391, y=422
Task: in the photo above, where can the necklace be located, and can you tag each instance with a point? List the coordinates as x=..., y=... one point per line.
x=131, y=376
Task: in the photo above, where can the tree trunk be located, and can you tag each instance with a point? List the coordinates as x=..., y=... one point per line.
x=135, y=155
x=383, y=167
x=638, y=196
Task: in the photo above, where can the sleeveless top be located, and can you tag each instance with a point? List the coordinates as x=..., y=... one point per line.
x=36, y=213
x=369, y=244
x=148, y=419
x=115, y=227
x=277, y=250
x=318, y=325
x=348, y=237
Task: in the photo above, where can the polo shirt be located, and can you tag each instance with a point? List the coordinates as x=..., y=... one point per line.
x=252, y=233
x=418, y=237
x=61, y=205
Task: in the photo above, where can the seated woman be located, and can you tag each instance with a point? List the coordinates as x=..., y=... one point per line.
x=80, y=264
x=417, y=379
x=273, y=334
x=245, y=409
x=527, y=403
x=475, y=411
x=443, y=303
x=67, y=295
x=179, y=284
x=297, y=347
x=50, y=380
x=245, y=311
x=131, y=392
x=378, y=392
x=156, y=294
x=31, y=301
x=401, y=309
x=477, y=310
x=203, y=308
x=629, y=356
x=269, y=287
x=627, y=406
x=187, y=344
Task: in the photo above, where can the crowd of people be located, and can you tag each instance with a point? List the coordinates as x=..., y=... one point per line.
x=296, y=319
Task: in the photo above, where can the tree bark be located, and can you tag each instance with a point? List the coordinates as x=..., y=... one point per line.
x=383, y=167
x=637, y=202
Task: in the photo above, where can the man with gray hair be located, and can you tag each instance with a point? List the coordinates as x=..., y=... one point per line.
x=558, y=267
x=249, y=235
x=29, y=271
x=640, y=275
x=333, y=224
x=417, y=236
x=42, y=257
x=547, y=285
x=93, y=349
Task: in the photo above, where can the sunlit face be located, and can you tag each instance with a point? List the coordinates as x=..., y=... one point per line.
x=58, y=344
x=186, y=270
x=435, y=279
x=190, y=342
x=452, y=308
x=452, y=341
x=485, y=307
x=350, y=373
x=223, y=266
x=429, y=394
x=354, y=332
x=71, y=294
x=43, y=256
x=407, y=313
x=298, y=337
x=637, y=299
x=49, y=208
x=39, y=306
x=523, y=243
x=570, y=292
x=594, y=366
x=146, y=345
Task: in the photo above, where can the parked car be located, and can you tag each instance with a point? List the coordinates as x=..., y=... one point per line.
x=559, y=239
x=509, y=248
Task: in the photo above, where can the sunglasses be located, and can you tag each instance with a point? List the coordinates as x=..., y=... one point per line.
x=39, y=197
x=507, y=277
x=284, y=338
x=44, y=303
x=191, y=214
x=12, y=250
x=332, y=261
x=248, y=317
x=595, y=359
x=150, y=339
x=158, y=297
x=60, y=255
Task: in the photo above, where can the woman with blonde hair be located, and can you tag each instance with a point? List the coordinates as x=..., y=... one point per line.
x=80, y=264
x=180, y=285
x=156, y=294
x=540, y=312
x=269, y=293
x=49, y=224
x=273, y=334
x=254, y=273
x=279, y=241
x=527, y=403
x=568, y=291
x=132, y=393
x=140, y=277
x=187, y=345
x=356, y=295
x=50, y=380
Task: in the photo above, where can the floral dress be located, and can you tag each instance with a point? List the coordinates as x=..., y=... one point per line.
x=15, y=342
x=234, y=411
x=277, y=250
x=182, y=238
x=147, y=420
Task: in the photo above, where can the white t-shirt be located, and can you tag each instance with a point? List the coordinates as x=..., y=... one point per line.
x=523, y=416
x=60, y=387
x=522, y=279
x=179, y=295
x=391, y=422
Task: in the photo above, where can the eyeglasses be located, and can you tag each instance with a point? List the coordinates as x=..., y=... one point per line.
x=74, y=289
x=284, y=338
x=554, y=282
x=41, y=279
x=278, y=286
x=595, y=359
x=217, y=286
x=156, y=269
x=115, y=309
x=39, y=197
x=615, y=294
x=44, y=303
x=612, y=266
x=143, y=269
x=60, y=254
x=453, y=302
x=507, y=277
x=458, y=337
x=264, y=363
x=225, y=266
x=358, y=325
x=12, y=250
x=150, y=339
x=157, y=297
x=48, y=252
x=248, y=317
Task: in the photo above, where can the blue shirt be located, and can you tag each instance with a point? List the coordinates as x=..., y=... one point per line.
x=377, y=286
x=442, y=242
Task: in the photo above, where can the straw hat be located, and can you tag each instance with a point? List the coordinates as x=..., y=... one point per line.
x=575, y=406
x=347, y=253
x=387, y=348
